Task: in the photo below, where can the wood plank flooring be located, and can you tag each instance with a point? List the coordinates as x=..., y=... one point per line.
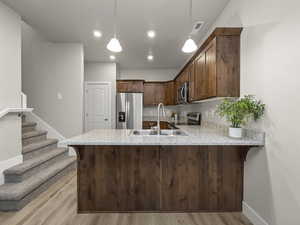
x=58, y=206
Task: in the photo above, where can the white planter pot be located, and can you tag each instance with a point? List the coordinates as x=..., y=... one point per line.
x=235, y=132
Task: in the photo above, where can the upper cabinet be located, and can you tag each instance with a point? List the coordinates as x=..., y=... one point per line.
x=170, y=93
x=204, y=82
x=154, y=93
x=159, y=92
x=214, y=70
x=133, y=86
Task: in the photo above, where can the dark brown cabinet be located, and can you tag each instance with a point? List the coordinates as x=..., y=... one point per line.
x=203, y=84
x=200, y=178
x=134, y=86
x=154, y=93
x=191, y=70
x=214, y=70
x=159, y=92
x=160, y=178
x=163, y=125
x=170, y=93
x=213, y=77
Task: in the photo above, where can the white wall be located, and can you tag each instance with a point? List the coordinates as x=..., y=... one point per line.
x=10, y=87
x=52, y=79
x=149, y=74
x=104, y=72
x=270, y=56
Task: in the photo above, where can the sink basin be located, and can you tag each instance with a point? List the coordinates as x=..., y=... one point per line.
x=154, y=132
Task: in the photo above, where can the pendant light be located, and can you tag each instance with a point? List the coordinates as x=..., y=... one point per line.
x=114, y=44
x=189, y=45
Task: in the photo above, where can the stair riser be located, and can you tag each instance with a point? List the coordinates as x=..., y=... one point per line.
x=28, y=129
x=37, y=152
x=16, y=178
x=34, y=139
x=17, y=205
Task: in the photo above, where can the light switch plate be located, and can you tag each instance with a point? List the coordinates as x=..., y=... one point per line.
x=59, y=96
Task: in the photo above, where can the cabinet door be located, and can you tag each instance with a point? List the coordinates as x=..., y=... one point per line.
x=192, y=88
x=154, y=93
x=149, y=94
x=130, y=86
x=200, y=87
x=159, y=93
x=211, y=70
x=169, y=93
x=205, y=73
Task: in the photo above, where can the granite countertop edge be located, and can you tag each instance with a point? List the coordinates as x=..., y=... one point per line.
x=196, y=136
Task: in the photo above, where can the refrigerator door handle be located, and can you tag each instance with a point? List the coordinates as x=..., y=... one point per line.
x=125, y=112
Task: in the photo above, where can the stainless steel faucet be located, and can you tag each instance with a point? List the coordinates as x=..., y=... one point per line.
x=160, y=105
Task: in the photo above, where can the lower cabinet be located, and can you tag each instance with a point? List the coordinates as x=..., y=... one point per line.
x=163, y=125
x=201, y=178
x=160, y=178
x=118, y=178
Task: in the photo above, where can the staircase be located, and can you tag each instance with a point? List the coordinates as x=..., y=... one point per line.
x=43, y=164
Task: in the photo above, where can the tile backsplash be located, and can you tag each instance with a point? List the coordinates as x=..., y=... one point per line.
x=208, y=110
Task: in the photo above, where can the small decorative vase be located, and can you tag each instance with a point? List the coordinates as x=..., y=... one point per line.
x=235, y=132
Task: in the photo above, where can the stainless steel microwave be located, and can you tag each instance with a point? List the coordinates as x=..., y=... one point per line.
x=182, y=93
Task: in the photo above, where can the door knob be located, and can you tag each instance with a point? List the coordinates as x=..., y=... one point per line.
x=105, y=119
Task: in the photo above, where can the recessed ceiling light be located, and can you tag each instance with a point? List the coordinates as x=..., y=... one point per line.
x=151, y=33
x=97, y=33
x=150, y=57
x=112, y=57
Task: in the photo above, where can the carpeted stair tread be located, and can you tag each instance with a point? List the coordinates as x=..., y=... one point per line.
x=31, y=163
x=17, y=191
x=38, y=145
x=28, y=124
x=33, y=134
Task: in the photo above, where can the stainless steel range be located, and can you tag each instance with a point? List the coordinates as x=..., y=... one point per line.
x=194, y=118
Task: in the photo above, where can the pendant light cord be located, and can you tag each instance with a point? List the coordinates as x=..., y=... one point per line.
x=191, y=13
x=115, y=18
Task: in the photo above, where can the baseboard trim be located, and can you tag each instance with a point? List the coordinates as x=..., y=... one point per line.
x=52, y=132
x=42, y=124
x=5, y=164
x=252, y=215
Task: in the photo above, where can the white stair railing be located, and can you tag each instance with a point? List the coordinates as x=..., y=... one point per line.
x=22, y=109
x=23, y=100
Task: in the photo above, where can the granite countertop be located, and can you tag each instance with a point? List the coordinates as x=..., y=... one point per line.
x=196, y=135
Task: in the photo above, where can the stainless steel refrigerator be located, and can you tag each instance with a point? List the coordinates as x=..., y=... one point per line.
x=129, y=110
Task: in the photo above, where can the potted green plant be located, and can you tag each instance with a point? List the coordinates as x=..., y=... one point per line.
x=239, y=111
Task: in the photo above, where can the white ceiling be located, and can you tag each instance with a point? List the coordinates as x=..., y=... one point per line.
x=74, y=21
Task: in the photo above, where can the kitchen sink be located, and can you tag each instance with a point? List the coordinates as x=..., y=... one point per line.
x=154, y=132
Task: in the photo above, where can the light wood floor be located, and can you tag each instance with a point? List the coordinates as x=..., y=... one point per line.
x=57, y=206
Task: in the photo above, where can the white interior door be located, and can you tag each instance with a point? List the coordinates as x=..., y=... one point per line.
x=97, y=105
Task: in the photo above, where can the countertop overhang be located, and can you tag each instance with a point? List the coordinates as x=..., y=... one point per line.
x=196, y=136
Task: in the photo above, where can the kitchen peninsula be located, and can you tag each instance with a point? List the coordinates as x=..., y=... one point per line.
x=200, y=170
